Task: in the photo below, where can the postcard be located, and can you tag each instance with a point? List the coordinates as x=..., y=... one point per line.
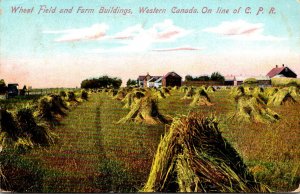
x=149, y=96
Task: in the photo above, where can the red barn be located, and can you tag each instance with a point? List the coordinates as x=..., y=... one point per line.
x=171, y=79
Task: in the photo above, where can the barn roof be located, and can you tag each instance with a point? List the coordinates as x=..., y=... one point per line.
x=172, y=73
x=275, y=71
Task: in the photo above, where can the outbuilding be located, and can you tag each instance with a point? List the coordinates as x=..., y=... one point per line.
x=171, y=79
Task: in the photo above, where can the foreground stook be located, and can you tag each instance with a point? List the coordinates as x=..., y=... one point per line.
x=194, y=157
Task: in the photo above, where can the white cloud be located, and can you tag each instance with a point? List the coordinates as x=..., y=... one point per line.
x=95, y=32
x=181, y=48
x=139, y=39
x=129, y=33
x=242, y=30
x=134, y=38
x=159, y=32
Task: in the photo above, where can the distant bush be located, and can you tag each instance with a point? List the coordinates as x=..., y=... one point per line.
x=250, y=81
x=131, y=82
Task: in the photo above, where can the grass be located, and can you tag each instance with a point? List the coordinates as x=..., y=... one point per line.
x=95, y=154
x=91, y=156
x=22, y=175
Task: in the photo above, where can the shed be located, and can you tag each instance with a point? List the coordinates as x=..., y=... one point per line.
x=171, y=79
x=229, y=80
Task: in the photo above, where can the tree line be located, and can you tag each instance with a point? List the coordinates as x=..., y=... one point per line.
x=102, y=82
x=215, y=76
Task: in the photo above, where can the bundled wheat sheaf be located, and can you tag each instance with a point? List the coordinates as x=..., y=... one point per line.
x=210, y=89
x=189, y=93
x=131, y=98
x=30, y=125
x=238, y=91
x=183, y=89
x=201, y=98
x=194, y=157
x=120, y=94
x=52, y=106
x=21, y=131
x=294, y=91
x=250, y=108
x=159, y=94
x=144, y=111
x=165, y=91
x=281, y=97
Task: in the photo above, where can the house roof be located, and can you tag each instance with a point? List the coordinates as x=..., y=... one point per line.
x=172, y=73
x=275, y=71
x=141, y=77
x=241, y=78
x=154, y=78
x=229, y=78
x=278, y=70
x=159, y=80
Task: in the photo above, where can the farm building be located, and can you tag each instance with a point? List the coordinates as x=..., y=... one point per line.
x=263, y=80
x=12, y=89
x=282, y=71
x=154, y=81
x=149, y=81
x=229, y=80
x=238, y=80
x=140, y=80
x=146, y=79
x=171, y=79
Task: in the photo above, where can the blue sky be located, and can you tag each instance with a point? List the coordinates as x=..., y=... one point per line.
x=60, y=50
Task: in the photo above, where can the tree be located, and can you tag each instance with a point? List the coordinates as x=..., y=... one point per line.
x=102, y=82
x=216, y=76
x=2, y=83
x=131, y=82
x=3, y=87
x=201, y=78
x=188, y=78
